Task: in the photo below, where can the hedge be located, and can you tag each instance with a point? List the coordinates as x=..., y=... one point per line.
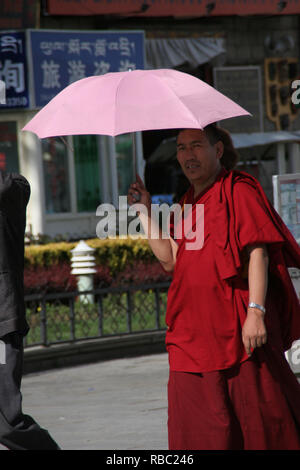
x=119, y=262
x=114, y=253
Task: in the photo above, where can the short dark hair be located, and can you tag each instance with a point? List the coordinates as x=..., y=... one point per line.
x=212, y=133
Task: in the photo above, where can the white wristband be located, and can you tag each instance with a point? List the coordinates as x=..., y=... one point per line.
x=254, y=305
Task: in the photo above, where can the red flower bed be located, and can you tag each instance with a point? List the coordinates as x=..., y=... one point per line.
x=58, y=278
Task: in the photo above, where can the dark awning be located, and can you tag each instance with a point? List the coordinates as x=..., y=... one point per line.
x=169, y=53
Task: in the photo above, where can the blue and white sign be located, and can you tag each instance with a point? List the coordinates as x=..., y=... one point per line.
x=61, y=57
x=13, y=70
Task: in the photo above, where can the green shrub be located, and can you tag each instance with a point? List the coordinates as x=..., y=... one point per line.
x=114, y=253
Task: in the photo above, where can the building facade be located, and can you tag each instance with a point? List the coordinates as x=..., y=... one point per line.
x=249, y=52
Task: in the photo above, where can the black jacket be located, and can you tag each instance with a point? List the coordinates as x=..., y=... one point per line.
x=14, y=197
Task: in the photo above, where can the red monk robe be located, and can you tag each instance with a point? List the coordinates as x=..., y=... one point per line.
x=218, y=397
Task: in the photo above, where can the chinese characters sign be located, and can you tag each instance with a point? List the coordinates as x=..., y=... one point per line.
x=59, y=58
x=62, y=57
x=13, y=70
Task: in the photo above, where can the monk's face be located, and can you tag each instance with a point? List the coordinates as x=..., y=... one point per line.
x=198, y=158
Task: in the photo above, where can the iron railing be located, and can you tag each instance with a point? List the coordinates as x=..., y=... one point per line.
x=73, y=316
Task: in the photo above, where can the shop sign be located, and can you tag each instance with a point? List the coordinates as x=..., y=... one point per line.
x=13, y=70
x=59, y=58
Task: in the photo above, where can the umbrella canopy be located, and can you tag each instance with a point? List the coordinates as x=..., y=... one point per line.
x=122, y=102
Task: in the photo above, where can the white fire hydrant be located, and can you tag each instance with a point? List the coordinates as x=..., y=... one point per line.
x=83, y=267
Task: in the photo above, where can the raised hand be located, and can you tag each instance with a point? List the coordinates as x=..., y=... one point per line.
x=138, y=193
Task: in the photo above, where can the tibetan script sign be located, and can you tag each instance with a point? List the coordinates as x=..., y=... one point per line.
x=59, y=58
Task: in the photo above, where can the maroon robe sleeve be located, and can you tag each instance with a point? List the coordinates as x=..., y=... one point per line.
x=253, y=223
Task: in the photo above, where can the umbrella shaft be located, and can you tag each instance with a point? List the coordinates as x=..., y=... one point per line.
x=134, y=166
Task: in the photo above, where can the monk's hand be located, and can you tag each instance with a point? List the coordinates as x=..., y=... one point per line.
x=137, y=193
x=254, y=333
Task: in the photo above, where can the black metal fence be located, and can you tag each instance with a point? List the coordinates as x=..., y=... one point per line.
x=73, y=316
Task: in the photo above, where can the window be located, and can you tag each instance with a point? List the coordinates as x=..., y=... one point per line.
x=56, y=176
x=87, y=172
x=9, y=159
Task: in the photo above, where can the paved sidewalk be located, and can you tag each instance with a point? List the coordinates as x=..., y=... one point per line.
x=118, y=404
x=115, y=405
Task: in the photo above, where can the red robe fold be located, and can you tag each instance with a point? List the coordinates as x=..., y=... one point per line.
x=283, y=249
x=218, y=397
x=208, y=296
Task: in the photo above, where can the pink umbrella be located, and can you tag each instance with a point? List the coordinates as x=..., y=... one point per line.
x=122, y=102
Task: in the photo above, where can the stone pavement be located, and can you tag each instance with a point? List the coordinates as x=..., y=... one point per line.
x=117, y=404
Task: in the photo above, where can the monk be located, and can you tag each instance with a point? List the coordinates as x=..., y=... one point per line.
x=232, y=310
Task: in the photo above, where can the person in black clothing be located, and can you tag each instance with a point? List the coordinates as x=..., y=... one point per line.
x=17, y=430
